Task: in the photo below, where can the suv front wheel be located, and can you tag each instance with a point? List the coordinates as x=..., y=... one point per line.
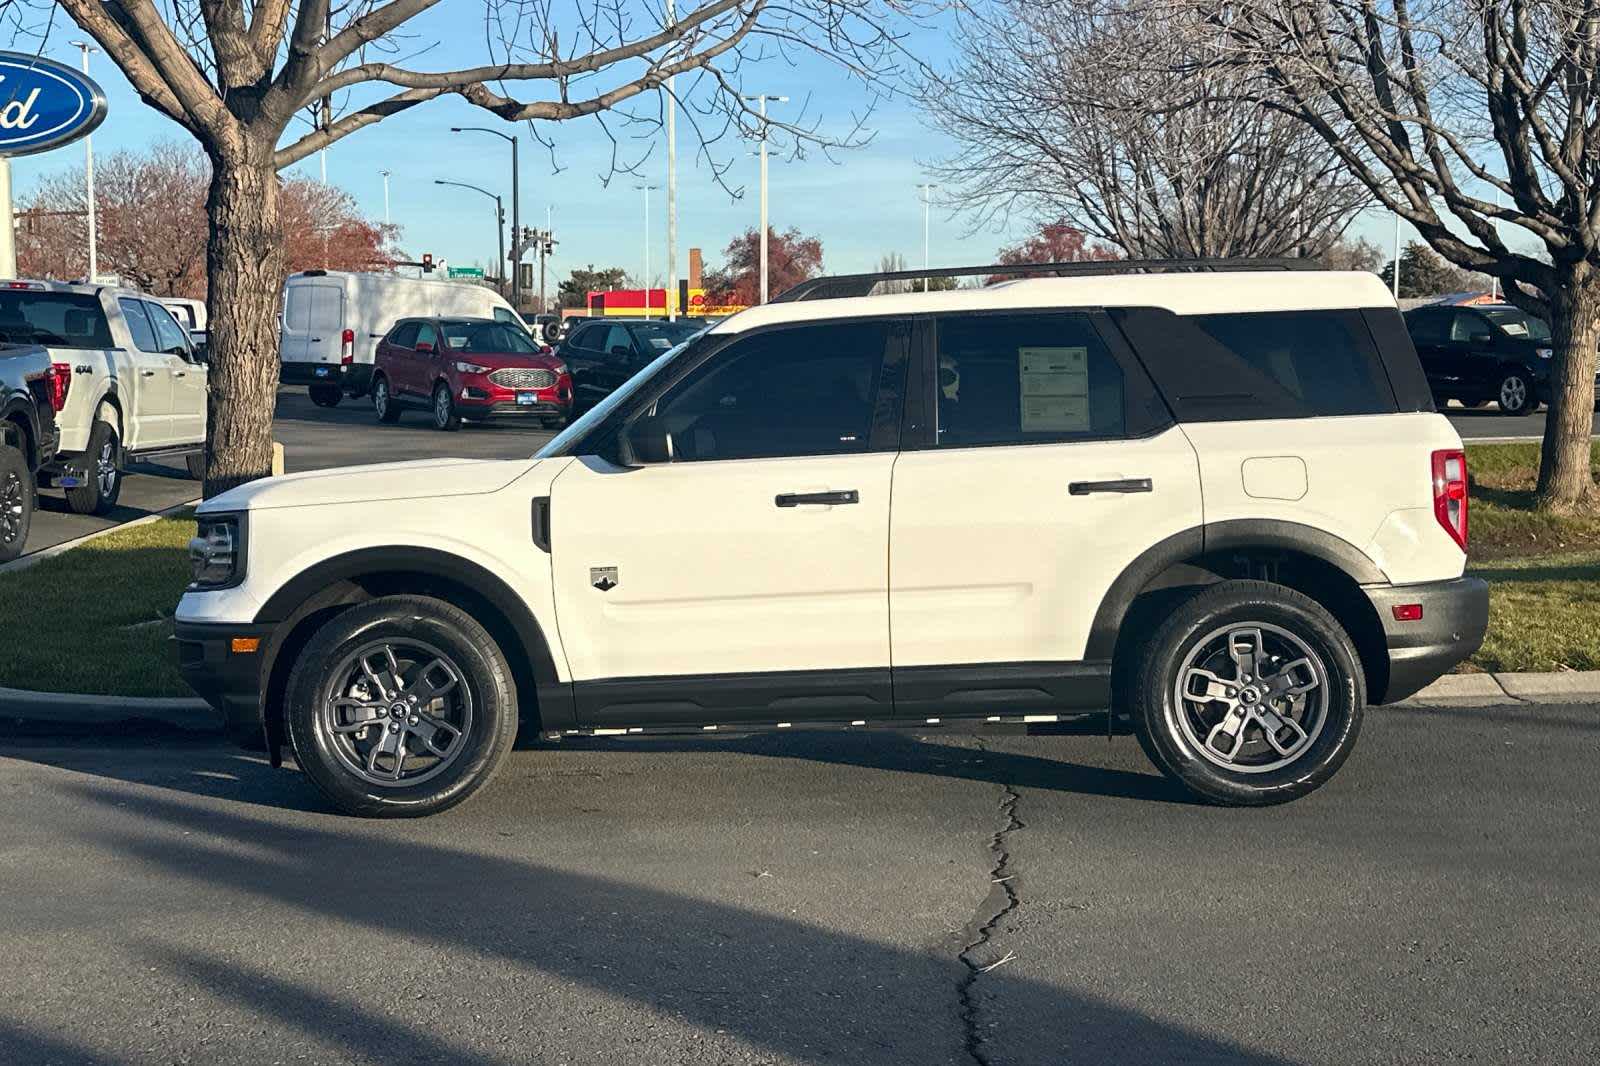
x=403, y=706
x=1250, y=693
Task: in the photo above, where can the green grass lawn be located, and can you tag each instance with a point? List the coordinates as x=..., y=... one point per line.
x=97, y=619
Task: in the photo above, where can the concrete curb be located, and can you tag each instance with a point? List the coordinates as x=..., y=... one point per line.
x=55, y=713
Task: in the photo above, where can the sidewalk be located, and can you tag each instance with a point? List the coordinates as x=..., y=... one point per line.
x=50, y=713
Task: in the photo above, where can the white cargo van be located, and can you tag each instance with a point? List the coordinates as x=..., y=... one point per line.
x=333, y=320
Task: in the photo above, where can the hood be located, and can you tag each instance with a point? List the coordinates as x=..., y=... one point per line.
x=417, y=479
x=509, y=360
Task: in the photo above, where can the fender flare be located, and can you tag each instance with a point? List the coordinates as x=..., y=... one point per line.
x=1217, y=537
x=555, y=702
x=20, y=407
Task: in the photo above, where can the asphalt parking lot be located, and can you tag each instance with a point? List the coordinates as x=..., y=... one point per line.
x=817, y=898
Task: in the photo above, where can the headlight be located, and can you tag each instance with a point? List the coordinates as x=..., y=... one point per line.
x=216, y=554
x=1544, y=353
x=471, y=368
x=559, y=370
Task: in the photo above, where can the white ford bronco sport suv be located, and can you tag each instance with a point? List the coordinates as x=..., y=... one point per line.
x=138, y=389
x=1208, y=500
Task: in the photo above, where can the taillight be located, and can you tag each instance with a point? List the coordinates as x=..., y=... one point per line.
x=60, y=382
x=347, y=346
x=1450, y=493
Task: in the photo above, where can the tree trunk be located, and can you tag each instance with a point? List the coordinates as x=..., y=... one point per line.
x=1566, y=480
x=244, y=268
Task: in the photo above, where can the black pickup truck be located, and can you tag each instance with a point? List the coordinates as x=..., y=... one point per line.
x=32, y=390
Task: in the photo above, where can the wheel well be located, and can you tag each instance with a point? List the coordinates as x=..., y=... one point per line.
x=110, y=400
x=298, y=628
x=1330, y=586
x=19, y=434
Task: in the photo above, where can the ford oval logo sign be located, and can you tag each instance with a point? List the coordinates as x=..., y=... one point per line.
x=44, y=104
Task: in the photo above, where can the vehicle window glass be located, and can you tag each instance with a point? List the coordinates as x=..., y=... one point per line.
x=1465, y=325
x=57, y=319
x=144, y=335
x=327, y=309
x=426, y=334
x=297, y=309
x=803, y=390
x=617, y=337
x=487, y=337
x=586, y=338
x=1325, y=360
x=1025, y=379
x=170, y=336
x=1428, y=327
x=508, y=316
x=404, y=335
x=654, y=337
x=1520, y=325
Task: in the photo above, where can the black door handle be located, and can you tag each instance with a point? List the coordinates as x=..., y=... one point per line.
x=1127, y=484
x=796, y=499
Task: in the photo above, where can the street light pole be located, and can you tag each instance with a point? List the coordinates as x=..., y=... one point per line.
x=761, y=100
x=88, y=175
x=672, y=183
x=385, y=174
x=645, y=281
x=927, y=201
x=516, y=216
x=499, y=217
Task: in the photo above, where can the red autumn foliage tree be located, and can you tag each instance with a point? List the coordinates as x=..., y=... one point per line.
x=791, y=258
x=152, y=224
x=1056, y=242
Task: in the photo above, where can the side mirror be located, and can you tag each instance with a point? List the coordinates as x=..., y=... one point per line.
x=1481, y=338
x=646, y=442
x=425, y=347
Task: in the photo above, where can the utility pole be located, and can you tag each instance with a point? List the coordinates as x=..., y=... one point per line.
x=761, y=100
x=927, y=201
x=499, y=218
x=672, y=182
x=88, y=175
x=385, y=174
x=645, y=281
x=1394, y=279
x=516, y=215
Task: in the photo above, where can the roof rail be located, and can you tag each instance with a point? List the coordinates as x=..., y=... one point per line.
x=840, y=286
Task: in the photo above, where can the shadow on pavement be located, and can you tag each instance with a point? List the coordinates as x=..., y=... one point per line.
x=772, y=982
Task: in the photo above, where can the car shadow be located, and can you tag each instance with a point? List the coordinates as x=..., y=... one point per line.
x=475, y=921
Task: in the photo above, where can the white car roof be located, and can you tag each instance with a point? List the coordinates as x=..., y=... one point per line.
x=1220, y=292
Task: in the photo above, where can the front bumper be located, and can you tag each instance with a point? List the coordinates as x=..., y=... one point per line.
x=501, y=409
x=229, y=681
x=1455, y=615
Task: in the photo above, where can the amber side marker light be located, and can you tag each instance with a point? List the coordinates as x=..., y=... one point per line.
x=1403, y=612
x=247, y=645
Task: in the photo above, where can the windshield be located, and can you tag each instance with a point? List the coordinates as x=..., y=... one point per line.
x=659, y=336
x=487, y=337
x=55, y=319
x=559, y=444
x=1518, y=324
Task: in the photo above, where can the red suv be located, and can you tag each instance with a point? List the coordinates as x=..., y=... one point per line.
x=468, y=368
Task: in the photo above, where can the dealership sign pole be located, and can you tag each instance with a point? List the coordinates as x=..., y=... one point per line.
x=43, y=105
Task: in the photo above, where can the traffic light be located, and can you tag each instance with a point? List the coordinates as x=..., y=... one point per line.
x=427, y=262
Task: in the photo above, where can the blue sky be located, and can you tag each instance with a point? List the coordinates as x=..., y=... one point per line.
x=862, y=206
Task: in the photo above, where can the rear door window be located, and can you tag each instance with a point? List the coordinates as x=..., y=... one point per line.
x=1428, y=327
x=404, y=335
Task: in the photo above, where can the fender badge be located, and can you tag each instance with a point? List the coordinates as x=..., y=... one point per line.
x=603, y=578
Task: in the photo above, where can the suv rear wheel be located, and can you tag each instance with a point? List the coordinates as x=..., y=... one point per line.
x=325, y=395
x=403, y=706
x=16, y=502
x=1248, y=694
x=102, y=462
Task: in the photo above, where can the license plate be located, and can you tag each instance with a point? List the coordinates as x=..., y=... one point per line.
x=322, y=371
x=526, y=399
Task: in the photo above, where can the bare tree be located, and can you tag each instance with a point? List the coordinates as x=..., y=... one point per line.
x=1062, y=116
x=243, y=77
x=1477, y=121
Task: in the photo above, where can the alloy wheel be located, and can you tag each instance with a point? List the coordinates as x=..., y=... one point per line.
x=441, y=406
x=105, y=467
x=13, y=503
x=1251, y=697
x=1513, y=394
x=396, y=712
x=380, y=397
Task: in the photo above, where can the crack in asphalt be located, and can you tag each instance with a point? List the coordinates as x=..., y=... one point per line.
x=1001, y=901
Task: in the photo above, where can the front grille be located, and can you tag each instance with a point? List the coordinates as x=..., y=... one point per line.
x=518, y=378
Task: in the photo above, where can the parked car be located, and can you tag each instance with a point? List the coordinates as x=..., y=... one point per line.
x=468, y=368
x=191, y=315
x=138, y=390
x=1217, y=508
x=32, y=390
x=333, y=321
x=604, y=353
x=1483, y=352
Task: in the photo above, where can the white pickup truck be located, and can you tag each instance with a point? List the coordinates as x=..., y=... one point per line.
x=138, y=388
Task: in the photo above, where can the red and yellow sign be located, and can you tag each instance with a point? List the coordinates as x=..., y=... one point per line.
x=639, y=303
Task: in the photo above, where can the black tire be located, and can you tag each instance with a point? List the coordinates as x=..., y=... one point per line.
x=325, y=395
x=444, y=409
x=196, y=463
x=383, y=404
x=483, y=686
x=102, y=460
x=557, y=423
x=1516, y=394
x=17, y=500
x=1170, y=729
